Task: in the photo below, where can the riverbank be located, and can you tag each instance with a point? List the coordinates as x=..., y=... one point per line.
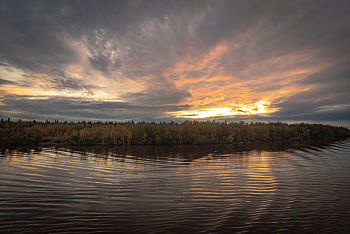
x=142, y=133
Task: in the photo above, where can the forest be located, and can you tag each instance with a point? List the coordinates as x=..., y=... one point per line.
x=162, y=133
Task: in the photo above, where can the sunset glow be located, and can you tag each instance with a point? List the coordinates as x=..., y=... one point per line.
x=268, y=61
x=258, y=108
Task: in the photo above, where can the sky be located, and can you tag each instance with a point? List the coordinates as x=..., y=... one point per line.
x=262, y=61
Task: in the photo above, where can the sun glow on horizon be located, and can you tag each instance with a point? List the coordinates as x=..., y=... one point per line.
x=261, y=107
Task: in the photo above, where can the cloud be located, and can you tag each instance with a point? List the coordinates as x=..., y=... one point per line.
x=4, y=65
x=159, y=92
x=31, y=107
x=193, y=54
x=62, y=81
x=6, y=82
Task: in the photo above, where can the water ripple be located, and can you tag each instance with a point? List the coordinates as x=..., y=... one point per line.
x=191, y=189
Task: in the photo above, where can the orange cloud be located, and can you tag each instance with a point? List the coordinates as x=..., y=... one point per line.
x=242, y=91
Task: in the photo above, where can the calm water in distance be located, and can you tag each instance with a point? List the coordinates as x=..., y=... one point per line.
x=274, y=187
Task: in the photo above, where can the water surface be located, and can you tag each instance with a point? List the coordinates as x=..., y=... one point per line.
x=257, y=187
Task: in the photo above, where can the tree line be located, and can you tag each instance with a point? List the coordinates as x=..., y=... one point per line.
x=162, y=133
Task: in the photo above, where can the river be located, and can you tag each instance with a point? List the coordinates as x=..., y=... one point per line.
x=301, y=187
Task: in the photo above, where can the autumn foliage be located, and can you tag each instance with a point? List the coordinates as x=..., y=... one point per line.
x=188, y=132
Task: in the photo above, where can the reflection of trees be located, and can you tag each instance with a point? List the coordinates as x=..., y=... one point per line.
x=183, y=152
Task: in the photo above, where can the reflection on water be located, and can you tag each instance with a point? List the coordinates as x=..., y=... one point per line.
x=253, y=187
x=188, y=152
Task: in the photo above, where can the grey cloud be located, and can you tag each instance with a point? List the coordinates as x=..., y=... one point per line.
x=320, y=95
x=41, y=28
x=75, y=108
x=156, y=97
x=68, y=83
x=117, y=27
x=100, y=62
x=264, y=38
x=318, y=104
x=21, y=39
x=6, y=82
x=338, y=74
x=104, y=63
x=62, y=81
x=338, y=117
x=159, y=92
x=4, y=64
x=119, y=22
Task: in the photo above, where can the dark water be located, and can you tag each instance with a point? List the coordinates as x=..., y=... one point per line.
x=262, y=187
